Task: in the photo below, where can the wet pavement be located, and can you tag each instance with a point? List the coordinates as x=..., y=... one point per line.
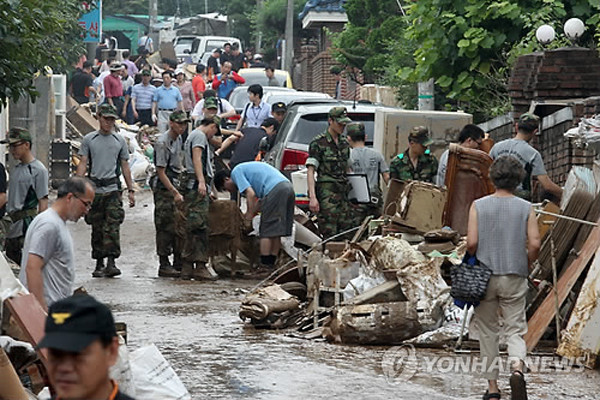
x=197, y=328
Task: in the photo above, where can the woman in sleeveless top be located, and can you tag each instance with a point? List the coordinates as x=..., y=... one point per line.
x=503, y=234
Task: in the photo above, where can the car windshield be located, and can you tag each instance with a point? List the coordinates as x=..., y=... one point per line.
x=312, y=124
x=287, y=97
x=239, y=98
x=183, y=43
x=258, y=76
x=216, y=43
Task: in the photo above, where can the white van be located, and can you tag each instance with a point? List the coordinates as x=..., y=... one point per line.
x=190, y=49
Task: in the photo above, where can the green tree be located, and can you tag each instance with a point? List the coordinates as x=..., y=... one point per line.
x=469, y=46
x=270, y=21
x=35, y=34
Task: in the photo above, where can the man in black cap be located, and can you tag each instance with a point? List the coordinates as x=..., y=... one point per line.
x=82, y=345
x=278, y=111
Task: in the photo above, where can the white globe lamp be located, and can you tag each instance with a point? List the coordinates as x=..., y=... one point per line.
x=574, y=28
x=545, y=34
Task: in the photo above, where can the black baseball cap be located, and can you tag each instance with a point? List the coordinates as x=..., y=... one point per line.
x=75, y=322
x=279, y=106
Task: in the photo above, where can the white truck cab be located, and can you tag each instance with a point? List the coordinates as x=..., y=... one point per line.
x=192, y=48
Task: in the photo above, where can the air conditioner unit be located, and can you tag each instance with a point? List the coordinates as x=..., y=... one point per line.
x=60, y=125
x=59, y=82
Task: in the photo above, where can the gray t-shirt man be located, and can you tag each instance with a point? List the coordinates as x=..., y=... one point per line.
x=440, y=178
x=23, y=177
x=104, y=153
x=529, y=157
x=198, y=139
x=364, y=160
x=49, y=238
x=167, y=153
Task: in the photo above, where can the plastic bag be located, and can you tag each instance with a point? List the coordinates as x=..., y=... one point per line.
x=153, y=376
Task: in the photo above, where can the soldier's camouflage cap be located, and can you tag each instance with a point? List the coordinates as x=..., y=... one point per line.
x=529, y=117
x=210, y=102
x=145, y=72
x=107, y=111
x=179, y=117
x=214, y=119
x=355, y=129
x=420, y=134
x=340, y=115
x=16, y=135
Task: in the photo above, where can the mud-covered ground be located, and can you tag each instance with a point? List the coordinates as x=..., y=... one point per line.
x=196, y=327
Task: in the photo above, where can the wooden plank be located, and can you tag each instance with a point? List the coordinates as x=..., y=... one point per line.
x=31, y=318
x=545, y=313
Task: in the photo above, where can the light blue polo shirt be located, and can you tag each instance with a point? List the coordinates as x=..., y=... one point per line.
x=167, y=98
x=260, y=176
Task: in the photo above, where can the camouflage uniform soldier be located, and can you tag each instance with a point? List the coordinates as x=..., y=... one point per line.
x=195, y=187
x=27, y=191
x=416, y=163
x=167, y=157
x=328, y=156
x=107, y=153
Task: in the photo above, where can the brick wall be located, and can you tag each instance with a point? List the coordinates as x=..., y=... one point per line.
x=307, y=52
x=564, y=73
x=322, y=79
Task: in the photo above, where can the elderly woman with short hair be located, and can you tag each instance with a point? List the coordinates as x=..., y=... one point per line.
x=503, y=234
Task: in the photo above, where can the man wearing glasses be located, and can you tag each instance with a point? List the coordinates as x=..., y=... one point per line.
x=470, y=137
x=27, y=190
x=48, y=268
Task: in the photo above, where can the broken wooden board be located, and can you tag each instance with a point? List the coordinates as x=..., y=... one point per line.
x=545, y=221
x=581, y=338
x=564, y=233
x=384, y=323
x=82, y=120
x=31, y=318
x=11, y=387
x=542, y=317
x=395, y=189
x=387, y=292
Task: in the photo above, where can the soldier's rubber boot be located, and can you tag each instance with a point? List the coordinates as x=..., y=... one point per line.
x=100, y=271
x=187, y=270
x=205, y=272
x=165, y=269
x=177, y=263
x=111, y=268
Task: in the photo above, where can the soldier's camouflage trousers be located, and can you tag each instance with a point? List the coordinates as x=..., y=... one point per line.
x=193, y=228
x=4, y=227
x=334, y=216
x=167, y=241
x=106, y=217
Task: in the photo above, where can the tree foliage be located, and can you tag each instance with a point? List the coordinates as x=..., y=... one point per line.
x=467, y=46
x=35, y=34
x=373, y=38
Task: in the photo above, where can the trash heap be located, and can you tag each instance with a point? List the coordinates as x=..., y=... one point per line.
x=394, y=286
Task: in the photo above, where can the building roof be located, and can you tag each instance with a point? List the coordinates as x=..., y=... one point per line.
x=330, y=6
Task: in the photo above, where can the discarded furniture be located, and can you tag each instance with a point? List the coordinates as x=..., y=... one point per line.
x=30, y=317
x=382, y=323
x=225, y=229
x=270, y=307
x=420, y=206
x=467, y=179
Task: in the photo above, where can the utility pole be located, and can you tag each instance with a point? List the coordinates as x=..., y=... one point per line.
x=287, y=63
x=153, y=13
x=426, y=95
x=259, y=35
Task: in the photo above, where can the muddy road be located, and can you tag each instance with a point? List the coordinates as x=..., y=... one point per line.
x=196, y=327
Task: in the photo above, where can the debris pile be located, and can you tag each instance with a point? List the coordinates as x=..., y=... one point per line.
x=393, y=287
